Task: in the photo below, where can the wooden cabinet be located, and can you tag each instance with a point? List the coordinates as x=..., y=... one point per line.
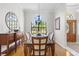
x=6, y=39
x=9, y=38
x=71, y=34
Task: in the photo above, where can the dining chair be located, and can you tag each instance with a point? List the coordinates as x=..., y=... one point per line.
x=26, y=36
x=51, y=36
x=26, y=40
x=51, y=44
x=39, y=46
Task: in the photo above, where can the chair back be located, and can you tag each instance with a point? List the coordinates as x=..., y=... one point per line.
x=39, y=45
x=51, y=36
x=28, y=35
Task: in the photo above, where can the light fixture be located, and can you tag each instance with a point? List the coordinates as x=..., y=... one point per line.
x=38, y=11
x=38, y=21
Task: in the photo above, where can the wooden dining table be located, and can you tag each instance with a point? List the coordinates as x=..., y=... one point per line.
x=28, y=44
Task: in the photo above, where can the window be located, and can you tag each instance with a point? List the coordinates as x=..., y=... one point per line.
x=38, y=26
x=11, y=21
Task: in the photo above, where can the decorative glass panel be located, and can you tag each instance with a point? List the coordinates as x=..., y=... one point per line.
x=11, y=21
x=38, y=25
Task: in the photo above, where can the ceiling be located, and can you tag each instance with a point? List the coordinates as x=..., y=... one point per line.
x=42, y=7
x=73, y=6
x=48, y=7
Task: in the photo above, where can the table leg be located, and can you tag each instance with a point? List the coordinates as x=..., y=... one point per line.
x=0, y=49
x=15, y=45
x=8, y=48
x=15, y=40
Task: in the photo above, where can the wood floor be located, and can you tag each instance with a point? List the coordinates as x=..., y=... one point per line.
x=59, y=51
x=20, y=51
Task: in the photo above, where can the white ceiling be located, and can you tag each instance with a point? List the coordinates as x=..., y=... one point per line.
x=48, y=7
x=73, y=6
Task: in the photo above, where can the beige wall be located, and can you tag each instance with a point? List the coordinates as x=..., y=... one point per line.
x=60, y=35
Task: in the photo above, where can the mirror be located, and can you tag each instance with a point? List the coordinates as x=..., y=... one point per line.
x=11, y=21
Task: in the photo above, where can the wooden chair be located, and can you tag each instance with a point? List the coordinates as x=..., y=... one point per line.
x=51, y=44
x=26, y=40
x=51, y=36
x=39, y=46
x=26, y=37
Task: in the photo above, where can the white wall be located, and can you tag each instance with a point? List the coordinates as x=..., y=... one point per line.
x=4, y=8
x=29, y=16
x=60, y=35
x=77, y=14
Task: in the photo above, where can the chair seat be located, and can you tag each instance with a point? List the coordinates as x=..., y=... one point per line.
x=50, y=41
x=27, y=42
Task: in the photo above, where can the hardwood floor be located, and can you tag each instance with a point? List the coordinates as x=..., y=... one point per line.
x=19, y=52
x=59, y=51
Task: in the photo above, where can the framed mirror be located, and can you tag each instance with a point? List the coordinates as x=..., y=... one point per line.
x=11, y=21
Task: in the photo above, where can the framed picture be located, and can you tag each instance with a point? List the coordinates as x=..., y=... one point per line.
x=57, y=23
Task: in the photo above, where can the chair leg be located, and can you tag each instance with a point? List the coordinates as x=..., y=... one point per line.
x=47, y=51
x=25, y=50
x=52, y=49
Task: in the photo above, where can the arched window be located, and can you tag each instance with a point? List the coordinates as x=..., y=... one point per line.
x=11, y=21
x=38, y=26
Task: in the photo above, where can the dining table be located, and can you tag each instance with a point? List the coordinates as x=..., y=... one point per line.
x=28, y=44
